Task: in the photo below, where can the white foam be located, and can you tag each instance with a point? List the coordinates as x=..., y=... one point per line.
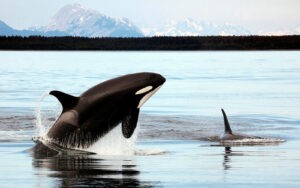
x=114, y=143
x=148, y=152
x=254, y=141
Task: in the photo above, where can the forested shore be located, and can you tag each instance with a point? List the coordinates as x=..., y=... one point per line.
x=152, y=43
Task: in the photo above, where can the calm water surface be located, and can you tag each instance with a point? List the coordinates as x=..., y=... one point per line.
x=259, y=90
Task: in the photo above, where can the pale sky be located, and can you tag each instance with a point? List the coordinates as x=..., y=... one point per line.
x=266, y=15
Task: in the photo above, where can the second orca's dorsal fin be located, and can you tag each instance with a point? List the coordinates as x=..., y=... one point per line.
x=226, y=123
x=67, y=101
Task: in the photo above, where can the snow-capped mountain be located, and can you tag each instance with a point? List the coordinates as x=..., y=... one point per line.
x=292, y=31
x=191, y=27
x=6, y=30
x=77, y=20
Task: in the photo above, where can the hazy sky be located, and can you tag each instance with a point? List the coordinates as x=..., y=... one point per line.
x=266, y=15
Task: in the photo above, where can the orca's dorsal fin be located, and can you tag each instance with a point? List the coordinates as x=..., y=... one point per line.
x=67, y=101
x=130, y=121
x=226, y=123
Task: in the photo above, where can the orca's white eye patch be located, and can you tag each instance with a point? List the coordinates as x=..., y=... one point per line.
x=147, y=96
x=144, y=90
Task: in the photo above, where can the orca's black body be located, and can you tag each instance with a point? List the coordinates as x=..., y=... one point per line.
x=93, y=114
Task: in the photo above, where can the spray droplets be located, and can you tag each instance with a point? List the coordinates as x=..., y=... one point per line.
x=45, y=118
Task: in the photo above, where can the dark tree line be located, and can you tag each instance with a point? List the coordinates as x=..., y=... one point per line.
x=152, y=43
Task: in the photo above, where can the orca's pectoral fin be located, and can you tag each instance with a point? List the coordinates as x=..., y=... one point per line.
x=67, y=101
x=129, y=122
x=226, y=123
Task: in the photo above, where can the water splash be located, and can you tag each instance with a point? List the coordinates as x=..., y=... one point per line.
x=114, y=143
x=44, y=122
x=40, y=128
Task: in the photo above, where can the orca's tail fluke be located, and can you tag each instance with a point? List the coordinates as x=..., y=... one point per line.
x=226, y=123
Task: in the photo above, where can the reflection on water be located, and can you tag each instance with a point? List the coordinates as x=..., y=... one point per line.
x=227, y=161
x=185, y=164
x=86, y=170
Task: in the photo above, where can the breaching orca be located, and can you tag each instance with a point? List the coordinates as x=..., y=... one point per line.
x=85, y=119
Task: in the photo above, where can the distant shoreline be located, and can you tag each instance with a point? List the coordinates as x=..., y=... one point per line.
x=152, y=43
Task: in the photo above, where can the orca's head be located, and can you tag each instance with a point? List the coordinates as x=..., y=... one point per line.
x=144, y=85
x=134, y=89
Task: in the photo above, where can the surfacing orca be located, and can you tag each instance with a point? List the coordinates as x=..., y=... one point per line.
x=85, y=119
x=230, y=139
x=228, y=135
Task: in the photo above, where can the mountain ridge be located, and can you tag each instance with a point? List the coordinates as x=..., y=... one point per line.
x=76, y=20
x=193, y=27
x=79, y=21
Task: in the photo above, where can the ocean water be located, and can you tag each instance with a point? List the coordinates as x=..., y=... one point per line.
x=176, y=145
